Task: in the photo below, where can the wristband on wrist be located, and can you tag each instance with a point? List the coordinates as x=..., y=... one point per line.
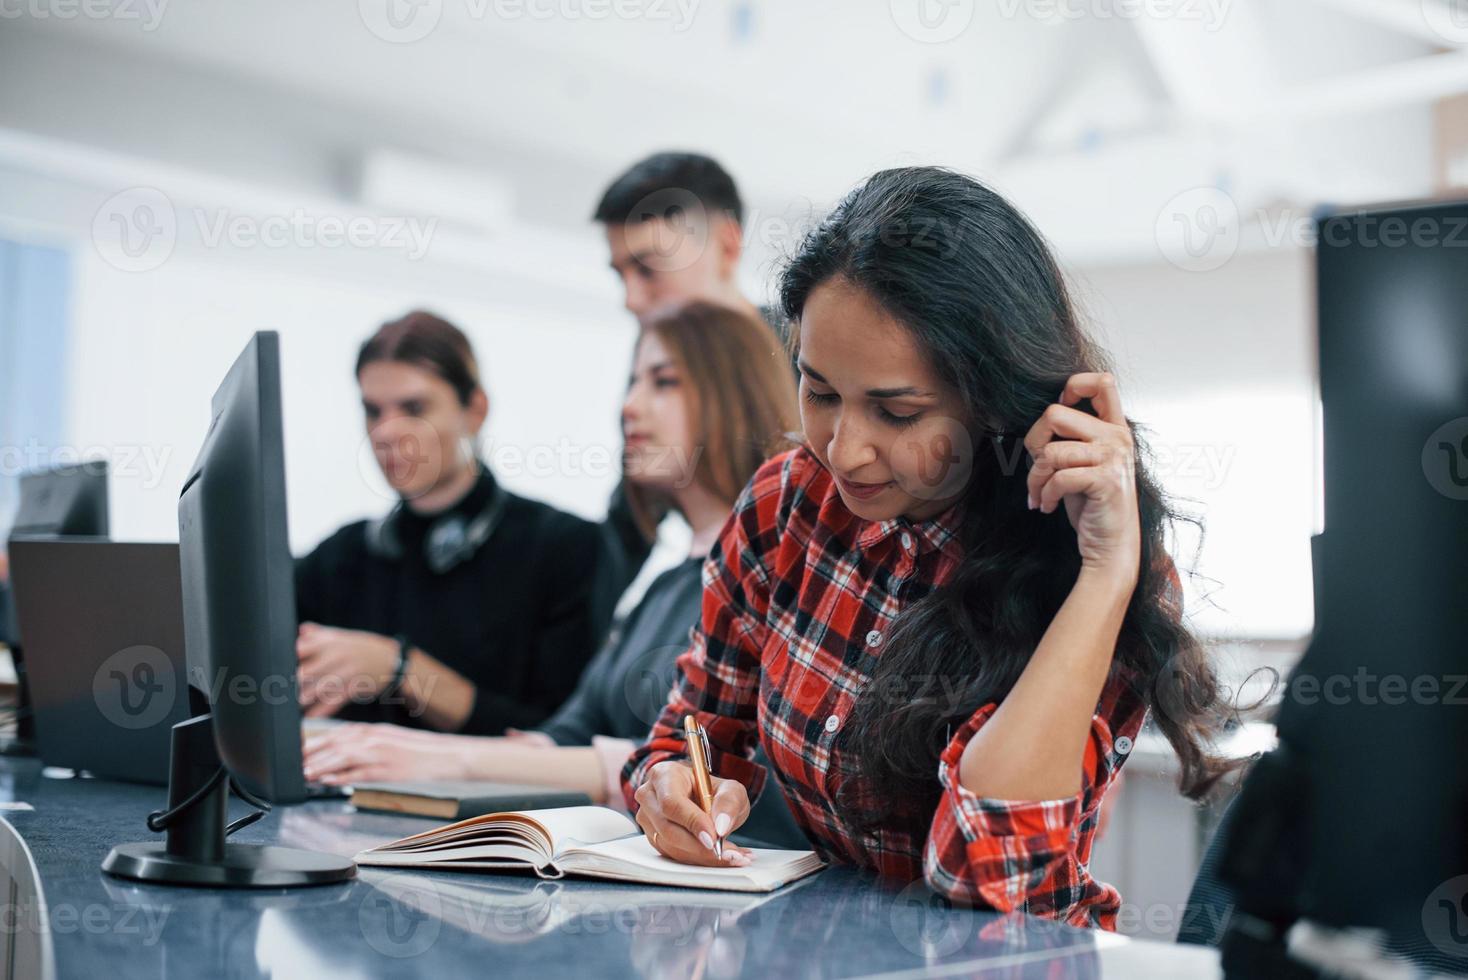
x=395, y=686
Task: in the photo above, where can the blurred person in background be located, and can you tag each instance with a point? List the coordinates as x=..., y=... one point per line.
x=466, y=608
x=708, y=399
x=674, y=225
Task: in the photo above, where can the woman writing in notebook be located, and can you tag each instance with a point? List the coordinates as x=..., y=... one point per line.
x=710, y=395
x=946, y=614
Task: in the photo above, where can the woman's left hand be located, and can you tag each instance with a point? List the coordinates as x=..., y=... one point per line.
x=356, y=753
x=1088, y=461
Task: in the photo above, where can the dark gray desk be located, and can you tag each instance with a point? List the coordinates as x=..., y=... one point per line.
x=65, y=918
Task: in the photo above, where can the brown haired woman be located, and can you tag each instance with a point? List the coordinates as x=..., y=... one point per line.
x=467, y=608
x=710, y=395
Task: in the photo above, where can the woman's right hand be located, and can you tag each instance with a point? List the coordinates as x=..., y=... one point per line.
x=677, y=827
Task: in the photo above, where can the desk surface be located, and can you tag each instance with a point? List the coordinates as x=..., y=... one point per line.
x=839, y=923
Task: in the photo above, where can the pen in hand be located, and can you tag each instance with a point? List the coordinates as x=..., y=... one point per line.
x=703, y=774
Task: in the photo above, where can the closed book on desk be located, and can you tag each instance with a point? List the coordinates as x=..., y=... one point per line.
x=582, y=841
x=451, y=800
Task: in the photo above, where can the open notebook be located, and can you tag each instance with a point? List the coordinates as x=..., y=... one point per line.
x=587, y=841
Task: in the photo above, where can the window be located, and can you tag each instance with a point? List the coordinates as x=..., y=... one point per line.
x=35, y=283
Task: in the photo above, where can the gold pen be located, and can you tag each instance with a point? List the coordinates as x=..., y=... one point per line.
x=703, y=773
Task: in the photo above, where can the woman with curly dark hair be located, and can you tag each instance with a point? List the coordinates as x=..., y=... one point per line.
x=946, y=615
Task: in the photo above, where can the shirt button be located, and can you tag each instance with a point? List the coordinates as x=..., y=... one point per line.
x=1123, y=745
x=874, y=638
x=906, y=541
x=833, y=723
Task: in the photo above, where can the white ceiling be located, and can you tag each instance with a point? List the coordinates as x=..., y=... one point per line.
x=1089, y=117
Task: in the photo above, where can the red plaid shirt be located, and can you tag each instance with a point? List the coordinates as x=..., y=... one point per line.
x=798, y=597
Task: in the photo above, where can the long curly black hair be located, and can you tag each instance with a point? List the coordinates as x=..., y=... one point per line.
x=979, y=290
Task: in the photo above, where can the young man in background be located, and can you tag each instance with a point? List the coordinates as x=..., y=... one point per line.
x=674, y=227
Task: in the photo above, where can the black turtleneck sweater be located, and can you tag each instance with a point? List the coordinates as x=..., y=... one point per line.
x=519, y=619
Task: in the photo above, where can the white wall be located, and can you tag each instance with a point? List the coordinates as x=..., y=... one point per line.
x=1220, y=366
x=149, y=351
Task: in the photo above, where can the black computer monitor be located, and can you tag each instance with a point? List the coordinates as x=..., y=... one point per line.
x=1360, y=819
x=238, y=598
x=239, y=640
x=70, y=500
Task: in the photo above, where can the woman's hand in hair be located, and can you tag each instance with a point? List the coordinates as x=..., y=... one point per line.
x=1088, y=463
x=668, y=812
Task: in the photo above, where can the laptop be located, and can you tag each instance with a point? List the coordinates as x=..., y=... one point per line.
x=104, y=652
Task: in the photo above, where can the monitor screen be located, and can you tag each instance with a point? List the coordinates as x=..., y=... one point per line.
x=238, y=598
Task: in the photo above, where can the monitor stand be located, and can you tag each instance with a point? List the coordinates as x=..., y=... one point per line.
x=194, y=851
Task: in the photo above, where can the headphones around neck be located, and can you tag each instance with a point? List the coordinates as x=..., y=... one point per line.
x=451, y=540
